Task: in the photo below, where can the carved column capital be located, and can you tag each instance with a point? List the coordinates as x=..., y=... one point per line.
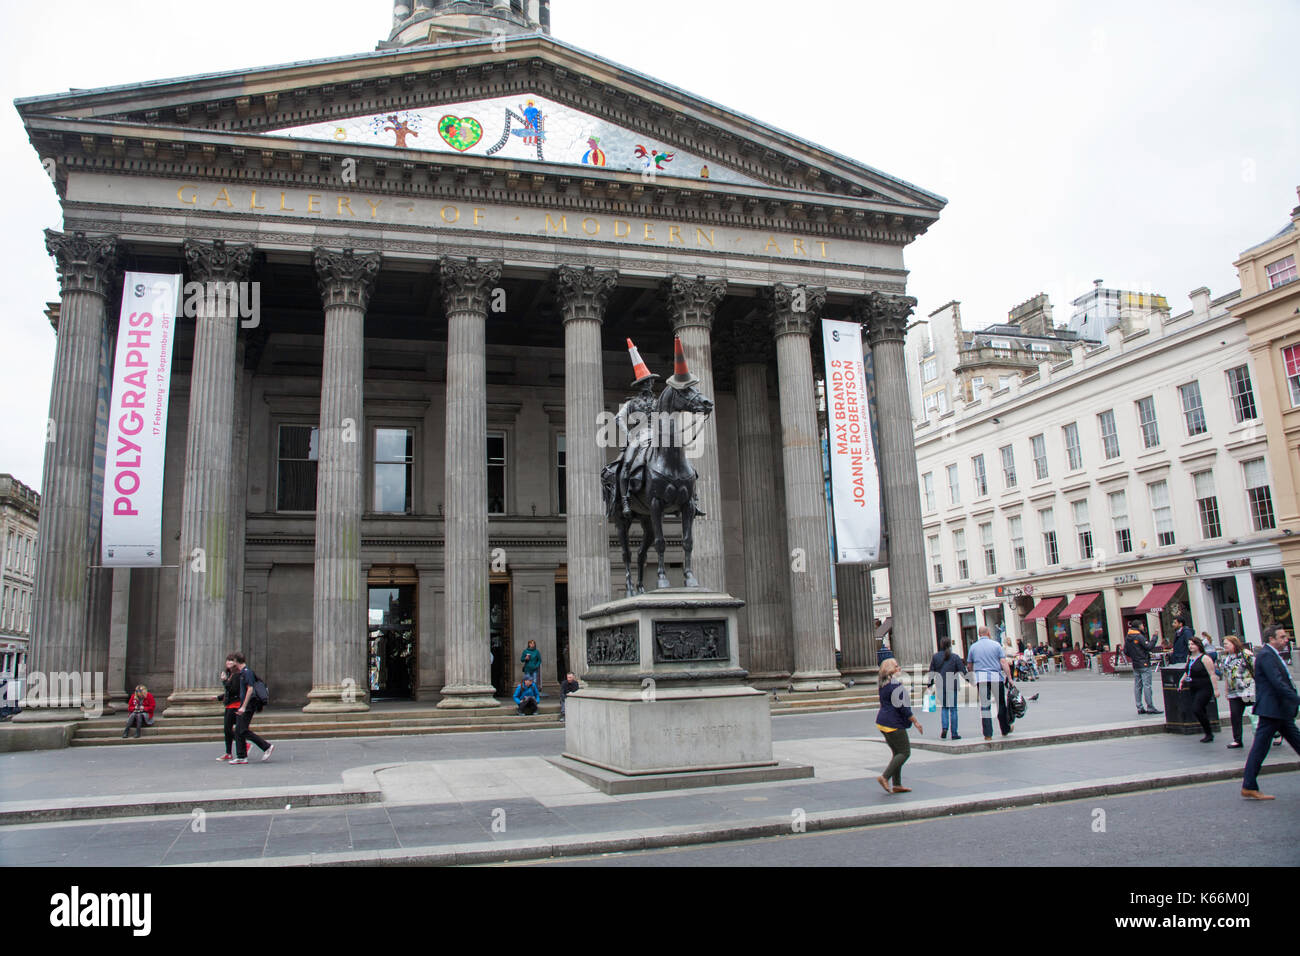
x=218, y=261
x=85, y=263
x=345, y=278
x=584, y=293
x=692, y=301
x=794, y=308
x=468, y=283
x=885, y=315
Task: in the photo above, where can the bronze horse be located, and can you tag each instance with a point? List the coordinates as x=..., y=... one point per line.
x=662, y=482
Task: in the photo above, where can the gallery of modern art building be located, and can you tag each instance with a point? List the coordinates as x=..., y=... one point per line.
x=382, y=471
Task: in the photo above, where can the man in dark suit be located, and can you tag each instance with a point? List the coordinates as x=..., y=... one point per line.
x=1276, y=703
x=1182, y=634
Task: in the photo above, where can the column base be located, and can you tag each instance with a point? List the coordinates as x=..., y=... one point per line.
x=193, y=703
x=48, y=715
x=468, y=696
x=336, y=700
x=804, y=681
x=768, y=680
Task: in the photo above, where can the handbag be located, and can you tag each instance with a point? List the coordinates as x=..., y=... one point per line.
x=928, y=703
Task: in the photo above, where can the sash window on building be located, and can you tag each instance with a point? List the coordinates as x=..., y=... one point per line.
x=1083, y=528
x=561, y=479
x=1291, y=358
x=986, y=540
x=496, y=473
x=1109, y=436
x=959, y=548
x=1119, y=518
x=936, y=559
x=1051, y=555
x=927, y=483
x=1243, y=394
x=1016, y=532
x=1039, y=446
x=1161, y=512
x=1146, y=408
x=1207, y=505
x=1009, y=466
x=1280, y=272
x=299, y=452
x=394, y=465
x=1073, y=453
x=954, y=486
x=1261, y=498
x=1193, y=412
x=981, y=478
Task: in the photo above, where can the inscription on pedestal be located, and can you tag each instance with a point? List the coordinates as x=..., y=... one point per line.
x=678, y=641
x=617, y=644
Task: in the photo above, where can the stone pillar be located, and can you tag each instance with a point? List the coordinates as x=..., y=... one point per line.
x=794, y=310
x=857, y=618
x=886, y=318
x=583, y=294
x=339, y=667
x=691, y=306
x=87, y=270
x=767, y=561
x=203, y=627
x=119, y=629
x=467, y=285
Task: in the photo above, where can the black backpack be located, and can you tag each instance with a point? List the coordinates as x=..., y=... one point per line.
x=260, y=694
x=1016, y=701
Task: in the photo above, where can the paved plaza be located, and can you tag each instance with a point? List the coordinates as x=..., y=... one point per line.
x=494, y=797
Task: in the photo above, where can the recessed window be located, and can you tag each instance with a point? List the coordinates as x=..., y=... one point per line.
x=393, y=467
x=1119, y=518
x=981, y=479
x=1280, y=272
x=496, y=473
x=1016, y=532
x=929, y=370
x=1291, y=358
x=1008, y=466
x=1259, y=495
x=1083, y=528
x=986, y=542
x=1193, y=412
x=561, y=476
x=1146, y=409
x=954, y=486
x=1243, y=393
x=1109, y=436
x=1073, y=453
x=1047, y=521
x=936, y=561
x=1161, y=512
x=1039, y=447
x=1207, y=505
x=299, y=452
x=959, y=549
x=927, y=484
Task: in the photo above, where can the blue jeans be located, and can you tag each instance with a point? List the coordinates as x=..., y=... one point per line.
x=948, y=718
x=1142, y=686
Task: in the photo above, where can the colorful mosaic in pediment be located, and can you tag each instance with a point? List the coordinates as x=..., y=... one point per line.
x=514, y=127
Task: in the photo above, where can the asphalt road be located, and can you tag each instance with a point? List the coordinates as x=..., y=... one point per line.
x=1143, y=829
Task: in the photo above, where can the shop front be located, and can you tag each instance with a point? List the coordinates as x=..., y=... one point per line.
x=1089, y=609
x=1165, y=601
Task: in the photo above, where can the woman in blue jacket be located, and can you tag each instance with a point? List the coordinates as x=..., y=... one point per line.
x=892, y=720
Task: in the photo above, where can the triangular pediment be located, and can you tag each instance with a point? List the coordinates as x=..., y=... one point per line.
x=531, y=127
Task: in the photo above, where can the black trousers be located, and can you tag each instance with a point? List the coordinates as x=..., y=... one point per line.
x=1202, y=694
x=136, y=719
x=243, y=734
x=528, y=706
x=229, y=728
x=1236, y=707
x=986, y=700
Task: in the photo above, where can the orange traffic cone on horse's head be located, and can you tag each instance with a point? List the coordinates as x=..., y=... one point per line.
x=639, y=369
x=682, y=377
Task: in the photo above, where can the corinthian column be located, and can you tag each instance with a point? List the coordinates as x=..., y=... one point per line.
x=857, y=623
x=202, y=626
x=886, y=317
x=339, y=666
x=583, y=294
x=87, y=269
x=466, y=287
x=691, y=306
x=766, y=562
x=794, y=310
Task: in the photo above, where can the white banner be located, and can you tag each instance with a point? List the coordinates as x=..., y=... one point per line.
x=137, y=423
x=855, y=481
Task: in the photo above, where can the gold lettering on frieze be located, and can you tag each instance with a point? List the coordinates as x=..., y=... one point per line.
x=253, y=203
x=624, y=232
x=798, y=247
x=224, y=196
x=649, y=232
x=374, y=208
x=194, y=195
x=588, y=228
x=675, y=234
x=561, y=226
x=701, y=237
x=283, y=207
x=772, y=244
x=346, y=203
x=451, y=218
x=478, y=215
x=313, y=202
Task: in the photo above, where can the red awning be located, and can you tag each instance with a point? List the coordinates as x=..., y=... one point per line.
x=1080, y=604
x=1043, y=608
x=1158, y=597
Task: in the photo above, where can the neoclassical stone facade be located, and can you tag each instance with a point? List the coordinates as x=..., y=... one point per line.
x=393, y=466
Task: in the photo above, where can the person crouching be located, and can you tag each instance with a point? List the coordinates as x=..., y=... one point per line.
x=526, y=696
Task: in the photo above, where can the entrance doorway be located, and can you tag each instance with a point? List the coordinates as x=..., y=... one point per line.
x=499, y=637
x=1227, y=607
x=391, y=649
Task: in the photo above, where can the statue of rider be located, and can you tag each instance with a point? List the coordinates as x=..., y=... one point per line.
x=635, y=419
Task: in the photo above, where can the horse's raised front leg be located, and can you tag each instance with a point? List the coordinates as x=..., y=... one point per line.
x=624, y=527
x=647, y=532
x=688, y=541
x=657, y=517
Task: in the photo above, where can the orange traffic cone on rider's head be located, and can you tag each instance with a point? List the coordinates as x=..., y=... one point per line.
x=639, y=369
x=682, y=377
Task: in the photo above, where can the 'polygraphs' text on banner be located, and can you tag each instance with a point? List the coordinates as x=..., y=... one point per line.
x=137, y=422
x=855, y=481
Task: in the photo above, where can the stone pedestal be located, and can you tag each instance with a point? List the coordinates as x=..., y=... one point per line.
x=665, y=692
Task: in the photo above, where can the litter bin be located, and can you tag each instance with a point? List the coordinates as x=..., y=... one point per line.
x=1178, y=705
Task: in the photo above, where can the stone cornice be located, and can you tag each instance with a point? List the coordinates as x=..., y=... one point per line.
x=467, y=284
x=692, y=301
x=583, y=292
x=345, y=278
x=794, y=309
x=85, y=263
x=218, y=261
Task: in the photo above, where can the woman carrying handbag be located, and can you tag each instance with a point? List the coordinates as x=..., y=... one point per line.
x=1238, y=667
x=1199, y=679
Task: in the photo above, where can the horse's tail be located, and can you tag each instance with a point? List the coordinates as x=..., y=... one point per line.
x=609, y=488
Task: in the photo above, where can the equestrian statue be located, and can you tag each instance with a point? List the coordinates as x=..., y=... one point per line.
x=653, y=476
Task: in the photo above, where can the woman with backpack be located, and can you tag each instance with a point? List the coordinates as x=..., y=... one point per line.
x=250, y=702
x=892, y=720
x=946, y=666
x=1238, y=667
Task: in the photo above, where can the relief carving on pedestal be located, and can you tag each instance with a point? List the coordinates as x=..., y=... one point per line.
x=616, y=644
x=678, y=641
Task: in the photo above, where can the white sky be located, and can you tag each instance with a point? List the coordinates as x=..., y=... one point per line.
x=1144, y=143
